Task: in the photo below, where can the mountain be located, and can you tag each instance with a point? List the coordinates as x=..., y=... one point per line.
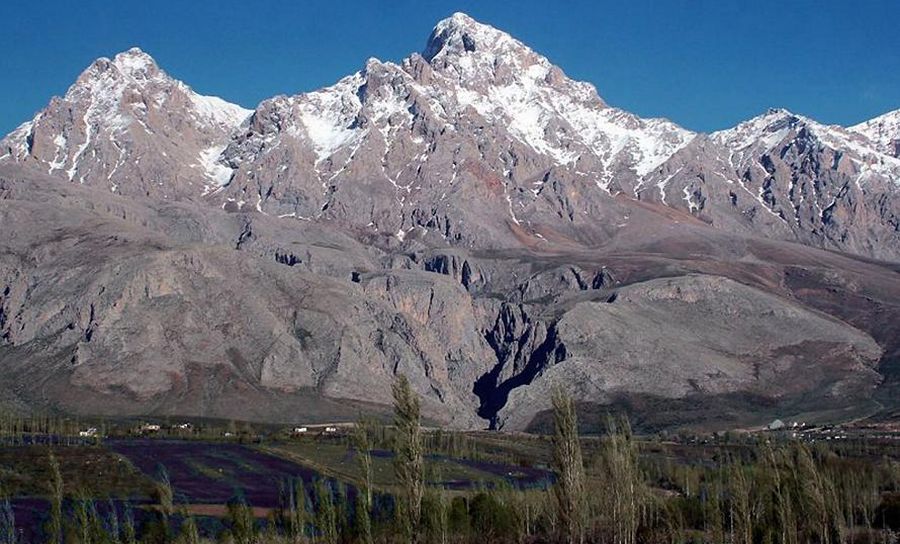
x=126, y=119
x=470, y=217
x=785, y=176
x=884, y=130
x=455, y=144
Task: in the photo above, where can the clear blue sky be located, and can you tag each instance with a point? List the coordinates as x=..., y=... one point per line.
x=706, y=64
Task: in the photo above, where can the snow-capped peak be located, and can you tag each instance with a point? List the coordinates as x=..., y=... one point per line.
x=105, y=82
x=475, y=53
x=507, y=82
x=135, y=63
x=762, y=134
x=763, y=131
x=460, y=34
x=131, y=67
x=116, y=109
x=884, y=131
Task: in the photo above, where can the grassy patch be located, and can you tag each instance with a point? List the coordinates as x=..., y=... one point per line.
x=335, y=460
x=25, y=471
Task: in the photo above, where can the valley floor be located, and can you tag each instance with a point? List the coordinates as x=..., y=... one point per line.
x=223, y=478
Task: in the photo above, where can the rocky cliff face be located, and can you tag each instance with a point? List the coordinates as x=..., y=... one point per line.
x=604, y=348
x=791, y=178
x=470, y=217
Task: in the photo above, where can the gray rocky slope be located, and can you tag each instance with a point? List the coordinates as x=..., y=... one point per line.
x=470, y=217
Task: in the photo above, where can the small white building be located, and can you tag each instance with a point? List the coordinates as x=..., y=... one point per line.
x=300, y=430
x=330, y=429
x=150, y=428
x=90, y=433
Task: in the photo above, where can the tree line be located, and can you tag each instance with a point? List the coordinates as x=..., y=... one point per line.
x=773, y=493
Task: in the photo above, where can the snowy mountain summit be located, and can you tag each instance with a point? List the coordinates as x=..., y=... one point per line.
x=884, y=130
x=126, y=125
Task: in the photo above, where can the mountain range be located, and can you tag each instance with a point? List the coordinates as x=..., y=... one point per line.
x=470, y=217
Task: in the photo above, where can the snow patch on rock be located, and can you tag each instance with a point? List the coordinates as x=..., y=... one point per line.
x=217, y=172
